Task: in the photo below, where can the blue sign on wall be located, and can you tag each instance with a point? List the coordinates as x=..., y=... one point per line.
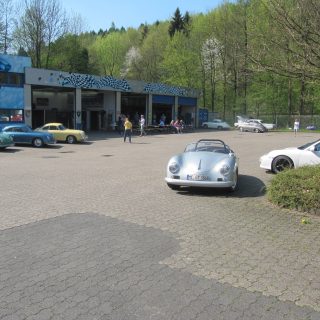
x=11, y=98
x=203, y=115
x=16, y=64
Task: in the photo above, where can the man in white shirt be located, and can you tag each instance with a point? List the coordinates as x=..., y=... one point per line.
x=142, y=125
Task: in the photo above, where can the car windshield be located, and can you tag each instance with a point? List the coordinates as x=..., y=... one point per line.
x=305, y=146
x=216, y=146
x=18, y=129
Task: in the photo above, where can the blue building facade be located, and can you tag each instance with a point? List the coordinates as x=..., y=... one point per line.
x=12, y=79
x=37, y=96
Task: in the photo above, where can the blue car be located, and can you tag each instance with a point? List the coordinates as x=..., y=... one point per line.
x=23, y=134
x=5, y=141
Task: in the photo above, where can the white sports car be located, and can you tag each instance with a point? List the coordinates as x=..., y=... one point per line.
x=208, y=163
x=278, y=160
x=216, y=124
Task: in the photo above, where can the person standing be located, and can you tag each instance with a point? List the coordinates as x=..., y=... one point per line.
x=142, y=123
x=120, y=126
x=127, y=130
x=296, y=126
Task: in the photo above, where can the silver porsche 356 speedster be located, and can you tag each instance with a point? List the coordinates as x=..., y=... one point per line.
x=208, y=163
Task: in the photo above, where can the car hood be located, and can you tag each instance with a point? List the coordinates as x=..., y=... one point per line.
x=282, y=151
x=201, y=160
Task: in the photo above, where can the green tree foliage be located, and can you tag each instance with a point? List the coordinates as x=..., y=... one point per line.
x=69, y=55
x=110, y=51
x=258, y=57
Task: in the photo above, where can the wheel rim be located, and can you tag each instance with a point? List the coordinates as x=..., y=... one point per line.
x=235, y=182
x=37, y=142
x=70, y=139
x=282, y=164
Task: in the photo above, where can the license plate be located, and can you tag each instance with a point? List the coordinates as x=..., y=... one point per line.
x=197, y=177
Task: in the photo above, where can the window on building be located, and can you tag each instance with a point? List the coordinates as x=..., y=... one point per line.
x=11, y=79
x=11, y=115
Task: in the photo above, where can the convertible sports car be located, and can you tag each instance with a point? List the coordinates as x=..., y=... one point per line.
x=279, y=160
x=23, y=134
x=5, y=141
x=252, y=126
x=242, y=119
x=206, y=163
x=61, y=133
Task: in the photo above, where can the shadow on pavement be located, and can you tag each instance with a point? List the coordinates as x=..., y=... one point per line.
x=10, y=150
x=248, y=187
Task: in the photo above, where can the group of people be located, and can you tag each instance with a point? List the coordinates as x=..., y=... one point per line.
x=124, y=127
x=177, y=125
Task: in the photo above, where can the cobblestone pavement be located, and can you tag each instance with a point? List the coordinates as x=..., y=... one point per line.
x=91, y=231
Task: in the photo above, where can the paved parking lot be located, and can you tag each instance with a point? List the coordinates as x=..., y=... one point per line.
x=91, y=231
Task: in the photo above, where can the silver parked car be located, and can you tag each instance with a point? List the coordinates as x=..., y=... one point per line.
x=206, y=163
x=252, y=126
x=216, y=124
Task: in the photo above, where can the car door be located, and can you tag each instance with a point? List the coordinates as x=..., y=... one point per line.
x=58, y=134
x=311, y=157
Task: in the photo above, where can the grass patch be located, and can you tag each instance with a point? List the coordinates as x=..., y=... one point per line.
x=297, y=189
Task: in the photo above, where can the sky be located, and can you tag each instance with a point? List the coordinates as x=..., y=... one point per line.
x=131, y=13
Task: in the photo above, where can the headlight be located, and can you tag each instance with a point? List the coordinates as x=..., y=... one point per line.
x=174, y=167
x=225, y=169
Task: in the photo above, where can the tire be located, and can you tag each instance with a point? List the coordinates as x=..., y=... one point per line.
x=71, y=139
x=37, y=142
x=220, y=128
x=256, y=130
x=173, y=186
x=235, y=185
x=241, y=129
x=281, y=163
x=205, y=126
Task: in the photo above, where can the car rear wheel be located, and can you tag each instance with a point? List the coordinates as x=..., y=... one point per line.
x=256, y=130
x=241, y=129
x=71, y=139
x=173, y=186
x=220, y=128
x=37, y=142
x=205, y=126
x=281, y=163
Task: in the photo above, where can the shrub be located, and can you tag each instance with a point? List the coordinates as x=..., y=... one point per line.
x=297, y=189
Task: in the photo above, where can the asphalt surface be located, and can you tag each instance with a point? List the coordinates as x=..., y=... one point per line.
x=91, y=231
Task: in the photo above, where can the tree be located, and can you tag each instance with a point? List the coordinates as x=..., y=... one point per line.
x=176, y=23
x=6, y=23
x=68, y=55
x=211, y=60
x=42, y=22
x=110, y=51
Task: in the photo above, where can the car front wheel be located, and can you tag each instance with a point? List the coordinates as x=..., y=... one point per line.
x=71, y=139
x=173, y=186
x=234, y=187
x=37, y=142
x=281, y=163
